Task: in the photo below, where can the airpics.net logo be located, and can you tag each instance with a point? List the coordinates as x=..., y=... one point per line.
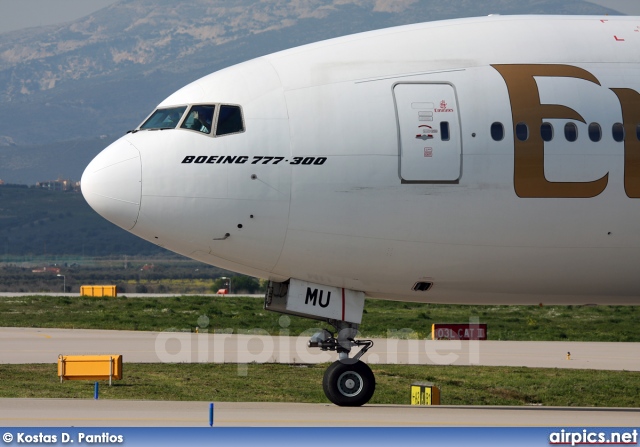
x=255, y=346
x=588, y=437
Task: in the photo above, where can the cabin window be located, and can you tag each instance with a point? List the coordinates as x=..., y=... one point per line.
x=522, y=131
x=618, y=132
x=571, y=132
x=199, y=119
x=546, y=131
x=595, y=132
x=497, y=131
x=444, y=131
x=229, y=120
x=164, y=118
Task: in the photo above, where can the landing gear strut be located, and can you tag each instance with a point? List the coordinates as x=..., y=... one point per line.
x=348, y=382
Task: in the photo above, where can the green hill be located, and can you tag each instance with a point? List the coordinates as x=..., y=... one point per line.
x=37, y=222
x=68, y=90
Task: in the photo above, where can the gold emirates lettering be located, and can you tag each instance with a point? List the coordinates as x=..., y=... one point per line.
x=528, y=176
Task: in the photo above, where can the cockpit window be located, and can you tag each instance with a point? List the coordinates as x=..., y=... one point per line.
x=229, y=120
x=164, y=118
x=199, y=119
x=226, y=120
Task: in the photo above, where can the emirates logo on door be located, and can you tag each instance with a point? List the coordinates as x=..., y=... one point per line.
x=443, y=107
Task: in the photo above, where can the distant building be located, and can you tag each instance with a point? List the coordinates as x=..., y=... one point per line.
x=46, y=270
x=59, y=185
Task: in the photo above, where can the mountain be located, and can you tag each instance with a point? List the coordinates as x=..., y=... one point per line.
x=68, y=91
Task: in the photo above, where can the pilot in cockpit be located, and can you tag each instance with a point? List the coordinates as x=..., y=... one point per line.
x=200, y=123
x=173, y=119
x=199, y=119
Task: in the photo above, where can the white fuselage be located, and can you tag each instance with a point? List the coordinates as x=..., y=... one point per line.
x=365, y=190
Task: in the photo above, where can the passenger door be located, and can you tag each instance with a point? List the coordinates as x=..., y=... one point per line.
x=429, y=132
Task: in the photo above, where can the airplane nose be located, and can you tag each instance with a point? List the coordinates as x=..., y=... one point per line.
x=112, y=183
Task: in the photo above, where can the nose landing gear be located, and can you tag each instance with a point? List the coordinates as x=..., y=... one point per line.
x=347, y=382
x=349, y=385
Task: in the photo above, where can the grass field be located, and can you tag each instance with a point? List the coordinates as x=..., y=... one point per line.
x=468, y=385
x=460, y=385
x=380, y=319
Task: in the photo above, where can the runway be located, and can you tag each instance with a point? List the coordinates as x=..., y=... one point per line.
x=118, y=413
x=31, y=345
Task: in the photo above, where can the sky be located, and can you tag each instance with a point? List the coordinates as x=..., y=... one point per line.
x=18, y=14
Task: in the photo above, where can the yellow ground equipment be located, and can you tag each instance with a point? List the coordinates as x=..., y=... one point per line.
x=425, y=393
x=90, y=367
x=98, y=291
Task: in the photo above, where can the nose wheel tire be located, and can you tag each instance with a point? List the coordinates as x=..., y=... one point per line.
x=349, y=385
